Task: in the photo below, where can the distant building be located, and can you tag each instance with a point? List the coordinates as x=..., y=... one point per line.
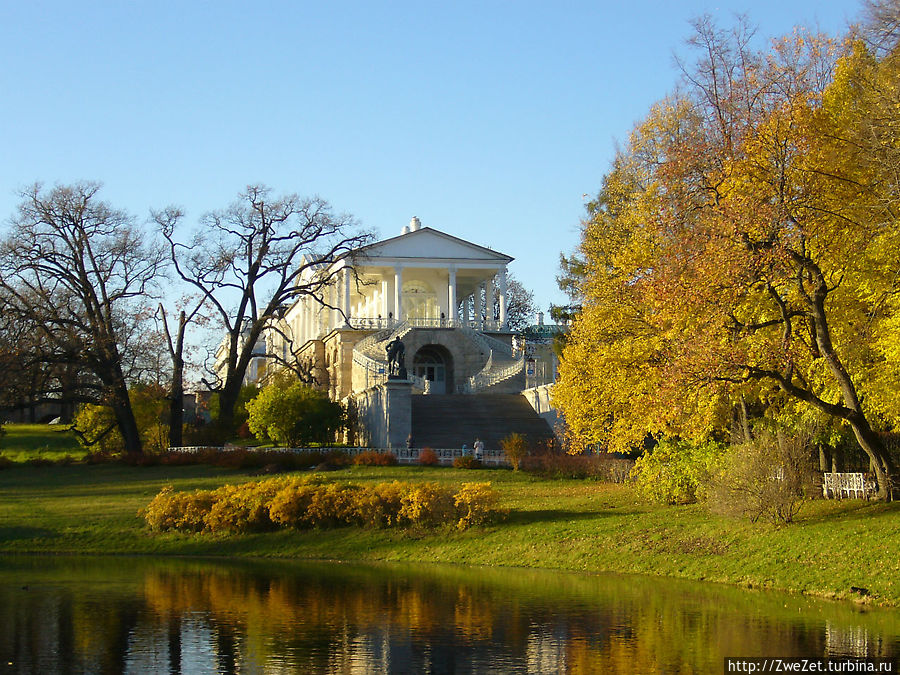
x=256, y=370
x=539, y=343
x=436, y=293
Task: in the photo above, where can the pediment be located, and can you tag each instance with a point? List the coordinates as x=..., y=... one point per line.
x=428, y=243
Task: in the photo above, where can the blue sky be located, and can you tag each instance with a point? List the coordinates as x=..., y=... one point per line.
x=488, y=120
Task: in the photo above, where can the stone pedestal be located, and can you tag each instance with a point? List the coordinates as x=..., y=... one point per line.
x=397, y=412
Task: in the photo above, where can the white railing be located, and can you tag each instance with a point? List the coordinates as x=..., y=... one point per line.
x=376, y=323
x=379, y=336
x=377, y=370
x=403, y=455
x=488, y=378
x=363, y=323
x=486, y=342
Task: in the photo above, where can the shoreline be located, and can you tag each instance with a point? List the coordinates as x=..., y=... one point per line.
x=562, y=525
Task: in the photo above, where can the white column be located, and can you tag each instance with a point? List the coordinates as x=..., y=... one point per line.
x=501, y=278
x=466, y=310
x=479, y=315
x=346, y=306
x=398, y=293
x=385, y=298
x=334, y=301
x=489, y=302
x=451, y=295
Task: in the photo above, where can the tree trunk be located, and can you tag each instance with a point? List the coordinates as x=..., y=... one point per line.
x=228, y=397
x=823, y=459
x=878, y=456
x=176, y=406
x=868, y=440
x=128, y=428
x=745, y=422
x=121, y=407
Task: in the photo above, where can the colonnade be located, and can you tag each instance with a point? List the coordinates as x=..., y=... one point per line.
x=381, y=301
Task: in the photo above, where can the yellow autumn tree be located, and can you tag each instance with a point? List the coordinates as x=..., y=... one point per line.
x=743, y=245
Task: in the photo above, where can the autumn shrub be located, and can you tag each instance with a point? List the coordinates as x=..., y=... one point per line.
x=373, y=458
x=515, y=448
x=598, y=467
x=766, y=478
x=243, y=507
x=476, y=504
x=428, y=457
x=289, y=504
x=466, y=462
x=426, y=504
x=677, y=472
x=379, y=505
x=332, y=505
x=184, y=511
x=308, y=502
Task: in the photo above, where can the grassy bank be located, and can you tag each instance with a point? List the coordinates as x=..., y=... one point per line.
x=573, y=525
x=23, y=442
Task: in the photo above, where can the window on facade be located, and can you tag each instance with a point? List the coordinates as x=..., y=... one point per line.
x=419, y=301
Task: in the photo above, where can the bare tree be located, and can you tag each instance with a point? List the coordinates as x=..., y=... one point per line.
x=248, y=263
x=520, y=307
x=175, y=335
x=77, y=272
x=881, y=26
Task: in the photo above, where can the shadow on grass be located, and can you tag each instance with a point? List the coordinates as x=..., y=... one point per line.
x=15, y=533
x=849, y=510
x=553, y=515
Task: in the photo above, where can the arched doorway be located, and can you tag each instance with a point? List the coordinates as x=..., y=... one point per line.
x=434, y=364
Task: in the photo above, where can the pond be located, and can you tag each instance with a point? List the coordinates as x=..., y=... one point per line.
x=139, y=615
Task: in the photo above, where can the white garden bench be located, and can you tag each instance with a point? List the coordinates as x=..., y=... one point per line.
x=847, y=485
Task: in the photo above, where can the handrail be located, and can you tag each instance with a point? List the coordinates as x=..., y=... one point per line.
x=487, y=342
x=376, y=367
x=485, y=378
x=497, y=350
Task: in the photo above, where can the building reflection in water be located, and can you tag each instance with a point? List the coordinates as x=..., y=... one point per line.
x=134, y=615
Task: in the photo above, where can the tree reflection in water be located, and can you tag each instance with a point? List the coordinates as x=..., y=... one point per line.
x=136, y=615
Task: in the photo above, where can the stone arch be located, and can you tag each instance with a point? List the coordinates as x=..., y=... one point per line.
x=434, y=362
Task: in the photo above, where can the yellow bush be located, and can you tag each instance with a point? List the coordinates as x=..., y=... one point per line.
x=426, y=504
x=379, y=505
x=289, y=505
x=331, y=505
x=306, y=502
x=178, y=510
x=243, y=508
x=476, y=504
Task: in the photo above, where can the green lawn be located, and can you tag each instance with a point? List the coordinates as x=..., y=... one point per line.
x=22, y=442
x=571, y=524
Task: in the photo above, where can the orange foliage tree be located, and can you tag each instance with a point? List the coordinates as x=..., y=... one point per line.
x=745, y=245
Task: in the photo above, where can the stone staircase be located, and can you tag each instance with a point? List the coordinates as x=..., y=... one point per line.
x=449, y=421
x=502, y=373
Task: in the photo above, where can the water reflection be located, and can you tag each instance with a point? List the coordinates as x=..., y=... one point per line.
x=118, y=615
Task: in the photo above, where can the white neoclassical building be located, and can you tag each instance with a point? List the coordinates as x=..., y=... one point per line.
x=423, y=276
x=443, y=297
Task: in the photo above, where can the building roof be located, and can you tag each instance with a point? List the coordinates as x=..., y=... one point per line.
x=429, y=243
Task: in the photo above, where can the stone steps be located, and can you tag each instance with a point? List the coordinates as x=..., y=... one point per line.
x=449, y=421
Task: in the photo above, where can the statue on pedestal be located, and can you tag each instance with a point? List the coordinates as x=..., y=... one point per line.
x=396, y=356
